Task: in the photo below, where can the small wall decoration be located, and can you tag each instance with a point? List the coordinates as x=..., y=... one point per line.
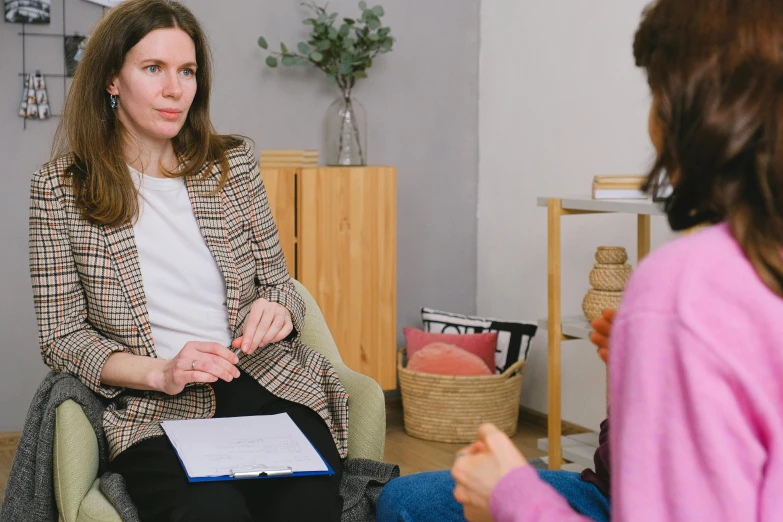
x=35, y=98
x=105, y=3
x=27, y=11
x=74, y=46
x=35, y=103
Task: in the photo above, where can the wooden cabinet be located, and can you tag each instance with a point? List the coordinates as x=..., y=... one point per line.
x=338, y=230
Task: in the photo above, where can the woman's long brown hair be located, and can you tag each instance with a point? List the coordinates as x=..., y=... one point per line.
x=91, y=131
x=715, y=68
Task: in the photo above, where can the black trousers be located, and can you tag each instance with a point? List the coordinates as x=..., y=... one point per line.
x=159, y=487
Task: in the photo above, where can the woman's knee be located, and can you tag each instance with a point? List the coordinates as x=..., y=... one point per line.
x=218, y=501
x=300, y=498
x=421, y=496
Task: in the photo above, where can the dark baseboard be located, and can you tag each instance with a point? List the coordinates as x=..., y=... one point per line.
x=393, y=397
x=540, y=420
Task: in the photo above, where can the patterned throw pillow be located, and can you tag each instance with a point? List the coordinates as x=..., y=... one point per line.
x=514, y=338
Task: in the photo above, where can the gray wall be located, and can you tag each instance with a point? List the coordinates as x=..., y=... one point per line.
x=422, y=105
x=583, y=113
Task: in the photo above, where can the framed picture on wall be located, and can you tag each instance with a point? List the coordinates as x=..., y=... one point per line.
x=105, y=3
x=74, y=45
x=28, y=11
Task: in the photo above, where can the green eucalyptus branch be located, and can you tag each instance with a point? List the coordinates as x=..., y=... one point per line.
x=345, y=52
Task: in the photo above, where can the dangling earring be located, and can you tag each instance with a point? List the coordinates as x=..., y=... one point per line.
x=113, y=101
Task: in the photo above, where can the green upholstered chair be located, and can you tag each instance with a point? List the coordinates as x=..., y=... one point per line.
x=76, y=481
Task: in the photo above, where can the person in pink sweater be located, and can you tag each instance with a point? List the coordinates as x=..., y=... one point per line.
x=696, y=359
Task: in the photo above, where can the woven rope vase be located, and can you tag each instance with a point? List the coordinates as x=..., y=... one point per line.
x=596, y=301
x=610, y=278
x=610, y=255
x=447, y=408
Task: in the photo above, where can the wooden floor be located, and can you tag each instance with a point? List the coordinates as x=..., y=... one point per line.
x=411, y=454
x=7, y=446
x=414, y=455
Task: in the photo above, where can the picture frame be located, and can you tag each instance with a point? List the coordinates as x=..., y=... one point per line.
x=27, y=11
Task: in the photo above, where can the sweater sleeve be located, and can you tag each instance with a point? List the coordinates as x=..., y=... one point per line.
x=273, y=280
x=521, y=496
x=68, y=342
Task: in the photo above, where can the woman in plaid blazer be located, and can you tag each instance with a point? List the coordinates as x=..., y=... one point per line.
x=139, y=103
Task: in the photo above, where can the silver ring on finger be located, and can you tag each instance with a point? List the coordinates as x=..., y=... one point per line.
x=193, y=365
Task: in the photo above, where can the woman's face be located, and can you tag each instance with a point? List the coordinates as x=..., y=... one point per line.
x=156, y=85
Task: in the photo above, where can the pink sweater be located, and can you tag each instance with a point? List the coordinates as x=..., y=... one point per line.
x=696, y=372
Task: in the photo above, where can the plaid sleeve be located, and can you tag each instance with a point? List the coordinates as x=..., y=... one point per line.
x=68, y=343
x=272, y=278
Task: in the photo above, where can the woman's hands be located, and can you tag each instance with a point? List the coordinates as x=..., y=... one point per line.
x=480, y=467
x=602, y=330
x=266, y=323
x=197, y=362
x=204, y=362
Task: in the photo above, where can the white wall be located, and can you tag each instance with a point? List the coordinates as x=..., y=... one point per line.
x=560, y=101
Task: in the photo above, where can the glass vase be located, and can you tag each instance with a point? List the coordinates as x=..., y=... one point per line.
x=346, y=132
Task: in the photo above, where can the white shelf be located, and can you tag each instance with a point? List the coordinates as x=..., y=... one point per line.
x=576, y=327
x=575, y=448
x=625, y=206
x=576, y=468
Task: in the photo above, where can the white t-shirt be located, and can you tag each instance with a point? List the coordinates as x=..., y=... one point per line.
x=185, y=290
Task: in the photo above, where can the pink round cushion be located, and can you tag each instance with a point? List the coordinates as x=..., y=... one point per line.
x=482, y=344
x=447, y=359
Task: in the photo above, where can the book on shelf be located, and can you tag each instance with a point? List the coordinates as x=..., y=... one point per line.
x=289, y=158
x=619, y=187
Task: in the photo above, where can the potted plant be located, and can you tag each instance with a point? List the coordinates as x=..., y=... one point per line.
x=344, y=51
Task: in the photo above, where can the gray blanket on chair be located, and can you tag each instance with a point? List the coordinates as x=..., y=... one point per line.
x=29, y=495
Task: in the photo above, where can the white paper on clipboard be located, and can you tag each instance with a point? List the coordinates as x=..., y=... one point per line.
x=215, y=447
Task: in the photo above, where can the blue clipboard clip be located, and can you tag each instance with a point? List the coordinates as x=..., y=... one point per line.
x=259, y=471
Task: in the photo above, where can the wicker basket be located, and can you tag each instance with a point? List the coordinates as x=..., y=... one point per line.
x=447, y=408
x=609, y=255
x=596, y=301
x=611, y=278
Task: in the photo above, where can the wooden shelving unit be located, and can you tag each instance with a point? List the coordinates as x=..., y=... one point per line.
x=570, y=328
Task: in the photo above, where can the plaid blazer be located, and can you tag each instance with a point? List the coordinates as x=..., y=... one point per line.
x=90, y=303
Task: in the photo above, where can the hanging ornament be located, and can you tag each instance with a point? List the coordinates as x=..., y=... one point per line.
x=41, y=96
x=26, y=82
x=35, y=98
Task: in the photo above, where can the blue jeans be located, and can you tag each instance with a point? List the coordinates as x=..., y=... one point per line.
x=429, y=497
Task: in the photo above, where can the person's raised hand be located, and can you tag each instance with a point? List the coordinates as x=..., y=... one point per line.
x=266, y=323
x=602, y=330
x=198, y=362
x=480, y=467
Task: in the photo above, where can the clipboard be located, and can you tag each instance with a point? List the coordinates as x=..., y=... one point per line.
x=236, y=448
x=252, y=472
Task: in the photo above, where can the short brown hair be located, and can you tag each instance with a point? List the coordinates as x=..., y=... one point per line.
x=715, y=68
x=91, y=131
